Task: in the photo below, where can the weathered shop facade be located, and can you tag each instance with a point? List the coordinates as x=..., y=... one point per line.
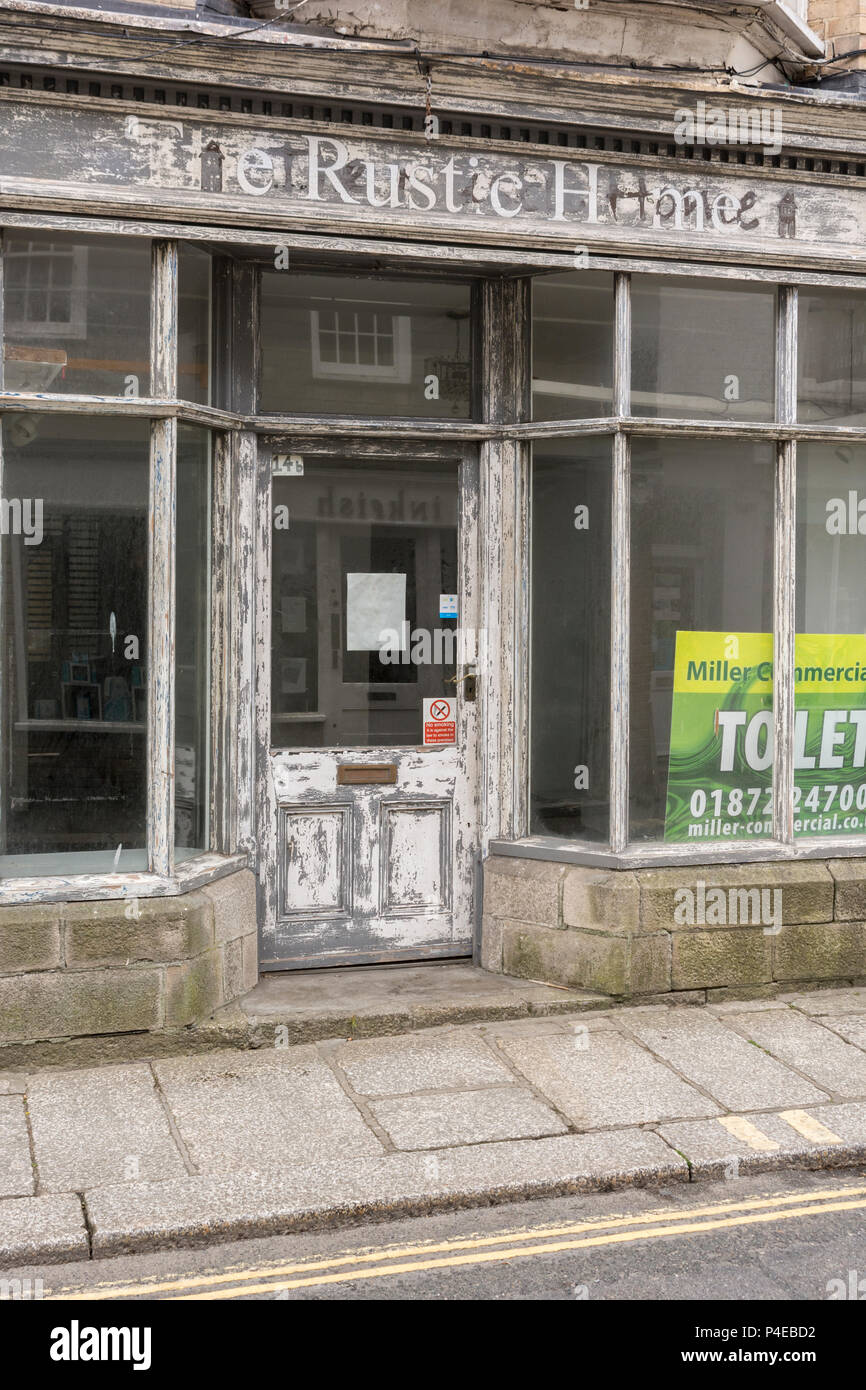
x=423, y=537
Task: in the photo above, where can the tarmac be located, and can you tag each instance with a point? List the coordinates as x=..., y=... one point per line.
x=561, y=1095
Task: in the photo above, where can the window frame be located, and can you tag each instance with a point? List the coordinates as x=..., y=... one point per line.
x=499, y=423
x=784, y=432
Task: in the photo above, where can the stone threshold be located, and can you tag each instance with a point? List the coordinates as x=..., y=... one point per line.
x=314, y=1005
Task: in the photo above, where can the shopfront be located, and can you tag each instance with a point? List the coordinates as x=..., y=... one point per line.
x=417, y=546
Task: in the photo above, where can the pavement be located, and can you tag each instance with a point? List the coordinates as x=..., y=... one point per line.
x=228, y=1144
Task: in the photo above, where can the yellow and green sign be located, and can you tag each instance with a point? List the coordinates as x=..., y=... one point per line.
x=721, y=751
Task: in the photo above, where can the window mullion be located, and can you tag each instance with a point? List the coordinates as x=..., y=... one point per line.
x=620, y=571
x=784, y=599
x=161, y=559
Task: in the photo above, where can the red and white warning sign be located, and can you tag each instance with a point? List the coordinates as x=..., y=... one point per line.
x=440, y=723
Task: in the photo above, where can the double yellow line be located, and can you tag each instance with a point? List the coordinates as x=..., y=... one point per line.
x=387, y=1261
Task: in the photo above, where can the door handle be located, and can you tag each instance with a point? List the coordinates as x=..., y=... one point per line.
x=469, y=681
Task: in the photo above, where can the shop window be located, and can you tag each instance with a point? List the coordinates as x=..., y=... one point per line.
x=353, y=345
x=192, y=642
x=702, y=349
x=194, y=324
x=830, y=666
x=77, y=313
x=832, y=358
x=570, y=661
x=75, y=614
x=701, y=639
x=572, y=346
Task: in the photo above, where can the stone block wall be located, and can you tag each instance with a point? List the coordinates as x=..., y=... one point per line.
x=627, y=933
x=77, y=969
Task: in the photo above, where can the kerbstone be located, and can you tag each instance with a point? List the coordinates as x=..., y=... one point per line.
x=600, y=1079
x=714, y=1152
x=103, y=1125
x=199, y=1210
x=524, y=890
x=721, y=956
x=465, y=1117
x=274, y=1106
x=830, y=951
x=734, y=1072
x=579, y=960
x=396, y=1066
x=599, y=898
x=16, y=1168
x=833, y=1064
x=144, y=929
x=58, y=1004
x=807, y=890
x=42, y=1230
x=29, y=938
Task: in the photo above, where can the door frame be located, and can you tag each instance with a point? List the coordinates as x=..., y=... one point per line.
x=439, y=449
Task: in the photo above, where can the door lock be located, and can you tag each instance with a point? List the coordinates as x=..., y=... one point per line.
x=469, y=681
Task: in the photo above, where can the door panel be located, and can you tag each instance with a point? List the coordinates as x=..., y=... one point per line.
x=415, y=856
x=315, y=852
x=369, y=839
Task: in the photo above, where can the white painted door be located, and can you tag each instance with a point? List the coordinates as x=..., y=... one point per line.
x=369, y=838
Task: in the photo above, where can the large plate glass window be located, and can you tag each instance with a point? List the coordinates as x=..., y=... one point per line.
x=361, y=345
x=701, y=703
x=702, y=349
x=74, y=605
x=830, y=668
x=572, y=346
x=570, y=661
x=832, y=357
x=192, y=642
x=194, y=324
x=76, y=313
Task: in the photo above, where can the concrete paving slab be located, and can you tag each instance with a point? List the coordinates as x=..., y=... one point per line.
x=201, y=1210
x=803, y=1043
x=12, y=1083
x=828, y=1001
x=419, y=1062
x=734, y=1072
x=608, y=1081
x=237, y=1110
x=852, y=1027
x=16, y=1168
x=465, y=1117
x=773, y=1141
x=47, y=1230
x=102, y=1125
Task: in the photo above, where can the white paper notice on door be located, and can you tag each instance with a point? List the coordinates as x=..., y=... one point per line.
x=375, y=610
